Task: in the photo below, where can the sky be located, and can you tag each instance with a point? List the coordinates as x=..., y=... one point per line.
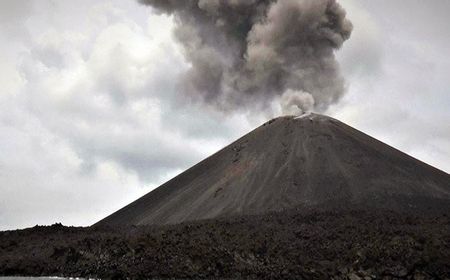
x=91, y=117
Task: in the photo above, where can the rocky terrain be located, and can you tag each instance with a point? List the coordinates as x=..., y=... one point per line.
x=296, y=244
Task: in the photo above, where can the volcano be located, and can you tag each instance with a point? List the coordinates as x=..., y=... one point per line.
x=311, y=161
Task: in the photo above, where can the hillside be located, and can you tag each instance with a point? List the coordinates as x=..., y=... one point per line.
x=292, y=162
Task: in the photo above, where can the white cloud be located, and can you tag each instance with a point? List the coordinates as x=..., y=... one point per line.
x=402, y=95
x=89, y=120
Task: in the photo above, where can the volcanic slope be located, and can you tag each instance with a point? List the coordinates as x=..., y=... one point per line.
x=291, y=162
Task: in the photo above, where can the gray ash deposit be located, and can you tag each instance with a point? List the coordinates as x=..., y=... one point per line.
x=292, y=162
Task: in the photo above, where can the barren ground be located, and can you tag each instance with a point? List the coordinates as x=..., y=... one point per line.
x=345, y=244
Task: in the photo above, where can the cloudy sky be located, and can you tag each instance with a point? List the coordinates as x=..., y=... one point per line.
x=90, y=116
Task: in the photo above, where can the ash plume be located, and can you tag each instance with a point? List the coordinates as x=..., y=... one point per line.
x=296, y=102
x=249, y=53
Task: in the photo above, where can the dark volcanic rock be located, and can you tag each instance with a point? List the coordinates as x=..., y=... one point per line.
x=284, y=245
x=290, y=162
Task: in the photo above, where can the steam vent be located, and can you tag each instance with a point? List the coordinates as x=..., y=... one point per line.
x=311, y=161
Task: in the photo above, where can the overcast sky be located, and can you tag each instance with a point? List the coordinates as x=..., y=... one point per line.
x=90, y=117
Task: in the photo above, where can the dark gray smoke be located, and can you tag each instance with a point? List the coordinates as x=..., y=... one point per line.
x=252, y=52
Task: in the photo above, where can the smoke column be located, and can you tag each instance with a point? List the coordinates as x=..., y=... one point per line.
x=248, y=53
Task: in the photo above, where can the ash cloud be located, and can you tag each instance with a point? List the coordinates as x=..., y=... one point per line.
x=248, y=53
x=296, y=102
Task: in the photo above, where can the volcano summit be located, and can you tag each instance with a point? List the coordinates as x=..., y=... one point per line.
x=297, y=198
x=311, y=161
